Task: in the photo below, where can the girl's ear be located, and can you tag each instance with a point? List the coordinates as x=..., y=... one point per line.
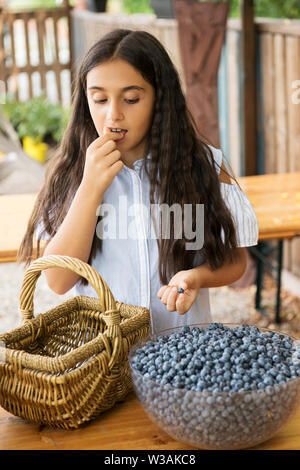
x=224, y=177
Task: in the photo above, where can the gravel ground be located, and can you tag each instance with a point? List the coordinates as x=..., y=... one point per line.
x=11, y=278
x=228, y=305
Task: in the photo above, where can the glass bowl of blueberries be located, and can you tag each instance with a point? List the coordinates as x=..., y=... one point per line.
x=218, y=386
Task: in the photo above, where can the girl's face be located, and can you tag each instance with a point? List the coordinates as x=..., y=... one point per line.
x=119, y=97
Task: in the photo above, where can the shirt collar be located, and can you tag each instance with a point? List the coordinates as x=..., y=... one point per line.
x=138, y=163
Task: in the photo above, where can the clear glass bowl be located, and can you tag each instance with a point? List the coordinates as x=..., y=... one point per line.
x=215, y=420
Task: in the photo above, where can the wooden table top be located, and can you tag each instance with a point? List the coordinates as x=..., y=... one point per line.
x=275, y=198
x=15, y=211
x=276, y=201
x=126, y=426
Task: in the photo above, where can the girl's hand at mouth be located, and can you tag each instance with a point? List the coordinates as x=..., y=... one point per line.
x=102, y=163
x=176, y=301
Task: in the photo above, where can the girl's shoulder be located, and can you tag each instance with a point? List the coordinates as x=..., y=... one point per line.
x=218, y=157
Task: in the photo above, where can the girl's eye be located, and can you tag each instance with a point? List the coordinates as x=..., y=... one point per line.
x=127, y=101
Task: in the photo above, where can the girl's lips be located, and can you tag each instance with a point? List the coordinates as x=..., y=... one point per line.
x=123, y=135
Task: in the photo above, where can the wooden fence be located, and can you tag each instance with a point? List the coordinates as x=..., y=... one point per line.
x=88, y=27
x=35, y=50
x=278, y=69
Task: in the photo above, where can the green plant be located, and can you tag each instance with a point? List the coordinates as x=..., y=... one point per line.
x=21, y=4
x=137, y=6
x=270, y=8
x=37, y=118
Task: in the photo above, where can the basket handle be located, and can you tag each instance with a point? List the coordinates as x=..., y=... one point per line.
x=74, y=264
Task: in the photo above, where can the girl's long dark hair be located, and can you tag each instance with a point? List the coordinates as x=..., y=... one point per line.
x=181, y=169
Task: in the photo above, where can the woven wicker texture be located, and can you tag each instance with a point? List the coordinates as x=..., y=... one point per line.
x=66, y=366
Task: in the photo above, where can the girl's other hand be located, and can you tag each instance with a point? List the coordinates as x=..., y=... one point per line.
x=102, y=163
x=175, y=301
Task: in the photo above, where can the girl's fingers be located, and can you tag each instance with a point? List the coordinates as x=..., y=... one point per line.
x=103, y=139
x=112, y=158
x=108, y=147
x=161, y=291
x=180, y=304
x=166, y=295
x=171, y=301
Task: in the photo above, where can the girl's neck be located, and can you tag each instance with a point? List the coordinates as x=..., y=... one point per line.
x=138, y=152
x=129, y=160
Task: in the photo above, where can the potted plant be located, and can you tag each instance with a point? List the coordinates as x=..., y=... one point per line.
x=38, y=123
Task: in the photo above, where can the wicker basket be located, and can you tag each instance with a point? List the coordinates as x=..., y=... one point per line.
x=66, y=366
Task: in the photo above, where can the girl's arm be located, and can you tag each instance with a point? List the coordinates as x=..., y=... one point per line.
x=192, y=280
x=75, y=235
x=226, y=275
x=74, y=238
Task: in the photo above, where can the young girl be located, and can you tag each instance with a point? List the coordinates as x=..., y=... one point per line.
x=130, y=143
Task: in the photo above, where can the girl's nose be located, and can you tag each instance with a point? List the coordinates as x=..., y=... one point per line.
x=114, y=111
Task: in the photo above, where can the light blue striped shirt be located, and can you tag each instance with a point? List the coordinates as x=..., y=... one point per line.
x=128, y=261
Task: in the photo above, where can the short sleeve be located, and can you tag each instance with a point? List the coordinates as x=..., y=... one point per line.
x=218, y=157
x=41, y=233
x=244, y=216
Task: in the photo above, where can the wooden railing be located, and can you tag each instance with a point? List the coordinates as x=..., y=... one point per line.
x=28, y=36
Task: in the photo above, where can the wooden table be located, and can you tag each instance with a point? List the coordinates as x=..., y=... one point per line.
x=276, y=200
x=125, y=427
x=15, y=211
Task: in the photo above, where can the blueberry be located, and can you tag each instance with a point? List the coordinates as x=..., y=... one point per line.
x=253, y=354
x=185, y=329
x=245, y=357
x=261, y=361
x=227, y=375
x=268, y=380
x=219, y=359
x=273, y=372
x=225, y=357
